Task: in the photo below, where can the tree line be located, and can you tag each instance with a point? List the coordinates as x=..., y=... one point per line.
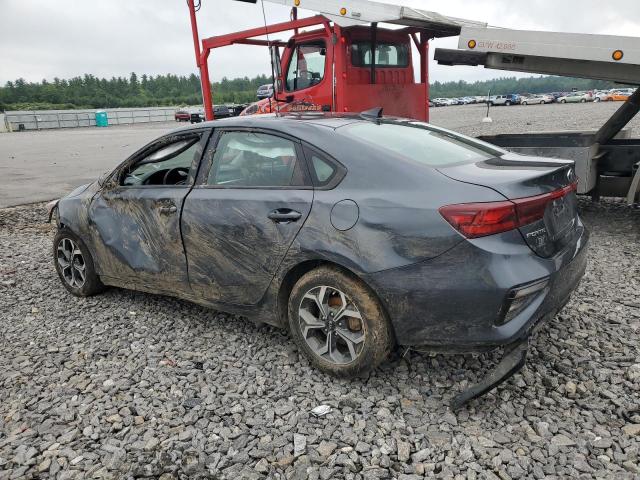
x=89, y=91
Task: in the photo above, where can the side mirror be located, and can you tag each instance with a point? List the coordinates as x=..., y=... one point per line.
x=289, y=98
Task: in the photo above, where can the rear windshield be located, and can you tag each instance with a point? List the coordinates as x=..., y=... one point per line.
x=420, y=143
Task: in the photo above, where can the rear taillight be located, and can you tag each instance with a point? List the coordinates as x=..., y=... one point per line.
x=475, y=220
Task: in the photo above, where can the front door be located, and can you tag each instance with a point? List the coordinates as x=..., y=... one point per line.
x=135, y=218
x=243, y=214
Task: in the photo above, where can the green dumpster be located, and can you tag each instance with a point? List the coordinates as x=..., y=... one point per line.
x=101, y=119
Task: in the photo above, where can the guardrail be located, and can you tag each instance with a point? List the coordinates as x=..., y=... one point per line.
x=48, y=119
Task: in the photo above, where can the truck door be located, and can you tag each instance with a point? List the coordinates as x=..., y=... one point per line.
x=308, y=76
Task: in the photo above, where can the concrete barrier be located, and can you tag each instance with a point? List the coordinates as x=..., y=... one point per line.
x=47, y=119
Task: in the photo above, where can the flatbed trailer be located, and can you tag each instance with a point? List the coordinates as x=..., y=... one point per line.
x=607, y=160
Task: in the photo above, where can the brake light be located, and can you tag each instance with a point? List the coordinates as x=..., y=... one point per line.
x=475, y=220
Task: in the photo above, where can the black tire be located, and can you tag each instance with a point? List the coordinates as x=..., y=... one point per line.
x=597, y=99
x=374, y=326
x=525, y=103
x=91, y=284
x=563, y=101
x=508, y=103
x=584, y=100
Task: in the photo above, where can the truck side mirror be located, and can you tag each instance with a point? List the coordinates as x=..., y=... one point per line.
x=289, y=98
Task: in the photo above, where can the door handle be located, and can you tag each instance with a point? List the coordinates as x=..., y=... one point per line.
x=167, y=209
x=284, y=215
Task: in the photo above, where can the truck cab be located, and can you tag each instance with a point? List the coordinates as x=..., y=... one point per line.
x=304, y=79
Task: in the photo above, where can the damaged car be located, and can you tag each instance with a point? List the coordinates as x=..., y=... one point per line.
x=356, y=232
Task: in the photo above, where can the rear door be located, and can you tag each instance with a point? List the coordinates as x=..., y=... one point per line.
x=135, y=218
x=251, y=198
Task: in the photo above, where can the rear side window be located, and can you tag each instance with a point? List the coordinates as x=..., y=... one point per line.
x=325, y=171
x=419, y=143
x=252, y=159
x=387, y=54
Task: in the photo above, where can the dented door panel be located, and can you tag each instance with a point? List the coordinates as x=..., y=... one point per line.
x=137, y=236
x=233, y=247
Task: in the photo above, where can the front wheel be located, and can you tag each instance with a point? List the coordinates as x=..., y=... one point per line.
x=508, y=104
x=338, y=323
x=563, y=101
x=584, y=100
x=74, y=265
x=597, y=99
x=525, y=103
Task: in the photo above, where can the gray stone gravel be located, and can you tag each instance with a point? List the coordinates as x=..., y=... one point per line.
x=127, y=385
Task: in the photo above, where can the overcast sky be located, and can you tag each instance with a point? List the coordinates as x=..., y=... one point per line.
x=63, y=38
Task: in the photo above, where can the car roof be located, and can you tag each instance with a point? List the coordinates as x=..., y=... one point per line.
x=284, y=122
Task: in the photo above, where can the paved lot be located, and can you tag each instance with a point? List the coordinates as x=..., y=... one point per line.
x=38, y=166
x=127, y=385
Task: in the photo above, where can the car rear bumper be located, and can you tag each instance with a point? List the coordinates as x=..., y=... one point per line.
x=457, y=302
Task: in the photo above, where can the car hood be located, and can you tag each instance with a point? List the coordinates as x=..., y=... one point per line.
x=78, y=190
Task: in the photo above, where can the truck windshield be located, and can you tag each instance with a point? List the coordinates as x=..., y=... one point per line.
x=306, y=67
x=387, y=54
x=419, y=143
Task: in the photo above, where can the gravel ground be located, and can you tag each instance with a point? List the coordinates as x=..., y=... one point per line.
x=467, y=119
x=127, y=385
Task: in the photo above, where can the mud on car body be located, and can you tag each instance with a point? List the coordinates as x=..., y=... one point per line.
x=356, y=233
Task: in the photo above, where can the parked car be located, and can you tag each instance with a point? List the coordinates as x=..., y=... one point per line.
x=219, y=112
x=576, y=97
x=440, y=102
x=619, y=96
x=537, y=99
x=265, y=91
x=222, y=111
x=196, y=117
x=280, y=219
x=182, y=116
x=507, y=100
x=602, y=96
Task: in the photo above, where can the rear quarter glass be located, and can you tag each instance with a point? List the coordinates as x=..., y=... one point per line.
x=420, y=143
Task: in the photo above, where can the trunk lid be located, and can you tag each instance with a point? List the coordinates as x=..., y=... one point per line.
x=530, y=182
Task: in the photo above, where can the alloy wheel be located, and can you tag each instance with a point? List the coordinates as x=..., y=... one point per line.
x=71, y=263
x=331, y=325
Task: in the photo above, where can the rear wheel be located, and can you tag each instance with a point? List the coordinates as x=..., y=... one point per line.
x=74, y=265
x=508, y=103
x=597, y=99
x=525, y=103
x=563, y=101
x=338, y=323
x=584, y=100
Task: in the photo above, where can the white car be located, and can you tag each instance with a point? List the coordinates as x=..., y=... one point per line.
x=537, y=100
x=576, y=97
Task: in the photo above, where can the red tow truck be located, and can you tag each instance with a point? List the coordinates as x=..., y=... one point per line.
x=331, y=67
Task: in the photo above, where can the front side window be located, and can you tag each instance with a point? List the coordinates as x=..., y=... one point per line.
x=251, y=159
x=387, y=54
x=167, y=165
x=306, y=67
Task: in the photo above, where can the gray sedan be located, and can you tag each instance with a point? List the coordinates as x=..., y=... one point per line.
x=357, y=233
